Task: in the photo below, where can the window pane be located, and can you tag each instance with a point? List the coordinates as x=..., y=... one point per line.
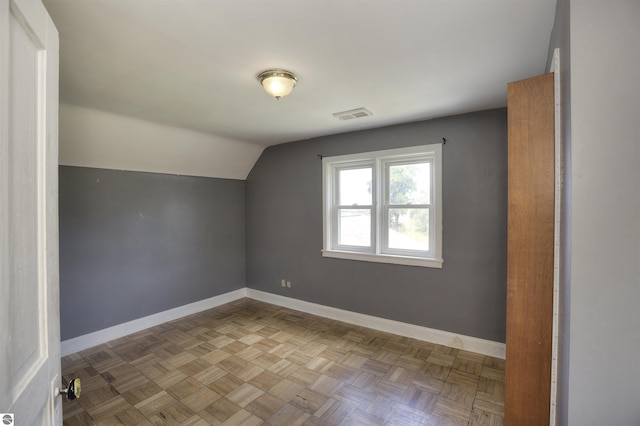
x=410, y=183
x=355, y=187
x=354, y=227
x=409, y=229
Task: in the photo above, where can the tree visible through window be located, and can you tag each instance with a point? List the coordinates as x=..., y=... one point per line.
x=409, y=196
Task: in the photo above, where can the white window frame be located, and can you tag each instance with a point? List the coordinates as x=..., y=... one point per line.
x=336, y=207
x=380, y=161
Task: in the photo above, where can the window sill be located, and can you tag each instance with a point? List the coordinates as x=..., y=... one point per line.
x=384, y=258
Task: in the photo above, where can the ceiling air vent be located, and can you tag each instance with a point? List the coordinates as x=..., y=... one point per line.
x=352, y=113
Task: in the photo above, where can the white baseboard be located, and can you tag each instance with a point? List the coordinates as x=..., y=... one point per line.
x=458, y=341
x=99, y=337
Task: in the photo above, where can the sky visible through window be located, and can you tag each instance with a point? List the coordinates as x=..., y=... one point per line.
x=355, y=187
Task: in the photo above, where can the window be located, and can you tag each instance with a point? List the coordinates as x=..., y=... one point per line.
x=384, y=206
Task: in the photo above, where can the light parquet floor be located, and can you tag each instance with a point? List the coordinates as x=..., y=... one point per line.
x=252, y=363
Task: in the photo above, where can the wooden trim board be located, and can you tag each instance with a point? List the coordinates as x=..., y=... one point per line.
x=530, y=250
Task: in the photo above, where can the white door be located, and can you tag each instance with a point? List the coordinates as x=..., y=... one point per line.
x=29, y=306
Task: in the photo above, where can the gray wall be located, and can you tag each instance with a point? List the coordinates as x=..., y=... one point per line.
x=467, y=296
x=604, y=325
x=133, y=244
x=560, y=39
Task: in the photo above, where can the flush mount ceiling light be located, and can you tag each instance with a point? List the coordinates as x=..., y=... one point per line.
x=277, y=83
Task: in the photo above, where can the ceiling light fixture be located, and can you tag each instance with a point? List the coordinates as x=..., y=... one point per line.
x=277, y=83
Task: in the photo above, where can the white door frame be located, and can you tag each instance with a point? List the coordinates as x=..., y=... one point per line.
x=559, y=190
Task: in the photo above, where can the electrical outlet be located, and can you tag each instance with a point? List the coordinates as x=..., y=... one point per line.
x=288, y=284
x=283, y=283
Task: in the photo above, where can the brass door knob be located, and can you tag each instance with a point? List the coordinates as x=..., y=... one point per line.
x=72, y=391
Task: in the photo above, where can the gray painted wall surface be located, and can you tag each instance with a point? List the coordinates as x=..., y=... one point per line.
x=133, y=244
x=560, y=39
x=467, y=296
x=604, y=339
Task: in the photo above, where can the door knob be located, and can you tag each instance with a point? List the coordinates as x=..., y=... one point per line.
x=73, y=390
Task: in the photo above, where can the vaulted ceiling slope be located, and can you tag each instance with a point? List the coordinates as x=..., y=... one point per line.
x=193, y=64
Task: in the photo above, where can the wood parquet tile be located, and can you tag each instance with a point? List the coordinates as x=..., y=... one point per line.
x=252, y=363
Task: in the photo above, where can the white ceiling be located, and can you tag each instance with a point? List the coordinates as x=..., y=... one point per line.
x=193, y=63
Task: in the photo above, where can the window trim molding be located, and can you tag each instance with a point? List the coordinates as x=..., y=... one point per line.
x=379, y=158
